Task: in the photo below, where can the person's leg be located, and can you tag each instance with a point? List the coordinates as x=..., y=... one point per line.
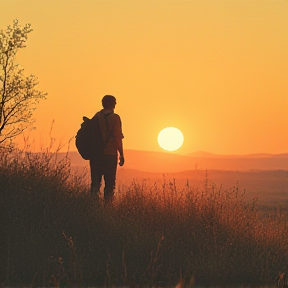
x=96, y=175
x=110, y=167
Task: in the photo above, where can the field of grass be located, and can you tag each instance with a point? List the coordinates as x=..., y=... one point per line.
x=269, y=186
x=53, y=231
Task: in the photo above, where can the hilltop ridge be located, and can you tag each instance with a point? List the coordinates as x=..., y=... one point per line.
x=165, y=162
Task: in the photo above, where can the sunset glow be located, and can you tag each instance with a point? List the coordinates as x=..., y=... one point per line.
x=218, y=70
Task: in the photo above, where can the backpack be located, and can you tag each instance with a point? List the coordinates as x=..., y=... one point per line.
x=88, y=140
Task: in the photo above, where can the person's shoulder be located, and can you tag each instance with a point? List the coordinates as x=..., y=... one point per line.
x=116, y=116
x=118, y=119
x=98, y=114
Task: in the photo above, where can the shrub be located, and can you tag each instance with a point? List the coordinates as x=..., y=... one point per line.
x=52, y=229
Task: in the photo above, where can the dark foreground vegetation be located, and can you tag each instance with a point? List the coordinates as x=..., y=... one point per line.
x=54, y=233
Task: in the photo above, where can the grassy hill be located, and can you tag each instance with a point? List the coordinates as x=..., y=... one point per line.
x=54, y=233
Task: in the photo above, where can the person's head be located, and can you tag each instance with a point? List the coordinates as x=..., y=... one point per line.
x=108, y=102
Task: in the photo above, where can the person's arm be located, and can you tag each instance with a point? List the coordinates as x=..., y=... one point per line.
x=118, y=136
x=119, y=145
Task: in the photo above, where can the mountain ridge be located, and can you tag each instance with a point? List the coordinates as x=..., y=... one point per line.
x=203, y=154
x=154, y=161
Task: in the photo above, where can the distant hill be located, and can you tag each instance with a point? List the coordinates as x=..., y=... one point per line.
x=201, y=154
x=162, y=162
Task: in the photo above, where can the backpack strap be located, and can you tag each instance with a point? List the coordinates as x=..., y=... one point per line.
x=109, y=133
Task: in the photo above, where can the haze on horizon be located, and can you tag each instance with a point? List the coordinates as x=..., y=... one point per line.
x=215, y=69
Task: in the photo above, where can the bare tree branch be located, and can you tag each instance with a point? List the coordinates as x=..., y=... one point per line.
x=18, y=93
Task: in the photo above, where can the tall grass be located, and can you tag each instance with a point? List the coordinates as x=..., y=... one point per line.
x=53, y=231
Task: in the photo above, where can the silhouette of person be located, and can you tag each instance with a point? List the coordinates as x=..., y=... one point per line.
x=106, y=165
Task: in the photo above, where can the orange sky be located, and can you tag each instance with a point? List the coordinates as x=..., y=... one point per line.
x=215, y=69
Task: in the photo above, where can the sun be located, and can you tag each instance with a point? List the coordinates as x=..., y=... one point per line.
x=170, y=139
